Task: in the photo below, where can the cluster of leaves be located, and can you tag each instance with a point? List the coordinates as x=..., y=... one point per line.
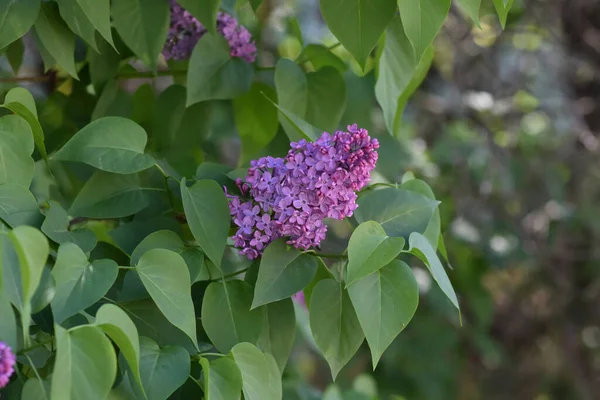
x=116, y=275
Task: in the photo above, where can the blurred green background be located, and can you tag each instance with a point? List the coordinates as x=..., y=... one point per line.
x=505, y=129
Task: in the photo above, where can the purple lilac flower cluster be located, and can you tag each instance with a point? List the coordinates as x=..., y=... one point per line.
x=7, y=363
x=290, y=197
x=185, y=31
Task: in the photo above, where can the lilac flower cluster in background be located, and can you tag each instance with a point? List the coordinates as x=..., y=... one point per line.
x=7, y=362
x=290, y=197
x=185, y=31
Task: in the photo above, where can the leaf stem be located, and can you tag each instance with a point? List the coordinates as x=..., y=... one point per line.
x=211, y=354
x=35, y=346
x=197, y=383
x=120, y=267
x=327, y=255
x=167, y=187
x=230, y=275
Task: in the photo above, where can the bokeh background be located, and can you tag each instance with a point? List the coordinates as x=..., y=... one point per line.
x=505, y=128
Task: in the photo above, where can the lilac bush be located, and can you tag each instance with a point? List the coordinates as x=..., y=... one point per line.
x=185, y=31
x=7, y=363
x=290, y=197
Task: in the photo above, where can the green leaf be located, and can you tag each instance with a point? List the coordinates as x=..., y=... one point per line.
x=399, y=74
x=16, y=18
x=260, y=376
x=166, y=277
x=292, y=94
x=85, y=366
x=8, y=323
x=223, y=379
x=55, y=36
x=104, y=65
x=283, y=272
x=143, y=26
x=79, y=283
x=111, y=144
x=299, y=128
x=56, y=227
x=165, y=239
x=326, y=98
x=385, y=302
x=165, y=124
x=21, y=102
x=16, y=146
x=279, y=331
x=369, y=250
x=77, y=21
x=320, y=56
x=45, y=291
x=108, y=195
x=118, y=326
x=433, y=230
x=205, y=11
x=207, y=214
x=31, y=248
x=503, y=8
x=163, y=370
x=213, y=74
x=226, y=315
x=34, y=389
x=255, y=119
x=113, y=102
x=334, y=324
x=471, y=7
x=400, y=212
x=14, y=55
x=322, y=273
x=83, y=16
x=255, y=4
x=420, y=247
x=18, y=206
x=422, y=20
x=358, y=24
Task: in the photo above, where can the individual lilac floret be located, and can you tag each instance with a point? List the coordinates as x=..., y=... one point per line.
x=290, y=197
x=185, y=31
x=7, y=363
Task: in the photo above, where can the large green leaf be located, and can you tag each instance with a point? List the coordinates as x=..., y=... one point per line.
x=79, y=282
x=34, y=389
x=104, y=66
x=385, y=302
x=433, y=230
x=111, y=144
x=166, y=277
x=502, y=8
x=370, y=249
x=255, y=119
x=8, y=323
x=471, y=7
x=205, y=11
x=399, y=74
x=108, y=195
x=14, y=55
x=320, y=56
x=18, y=206
x=118, y=326
x=326, y=98
x=56, y=37
x=56, y=227
x=16, y=18
x=207, y=213
x=222, y=379
x=24, y=257
x=322, y=273
x=163, y=370
x=400, y=212
x=85, y=366
x=420, y=247
x=279, y=331
x=292, y=94
x=283, y=272
x=21, y=102
x=334, y=324
x=213, y=74
x=143, y=26
x=16, y=146
x=165, y=239
x=226, y=315
x=298, y=128
x=422, y=20
x=260, y=376
x=86, y=16
x=358, y=24
x=45, y=291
